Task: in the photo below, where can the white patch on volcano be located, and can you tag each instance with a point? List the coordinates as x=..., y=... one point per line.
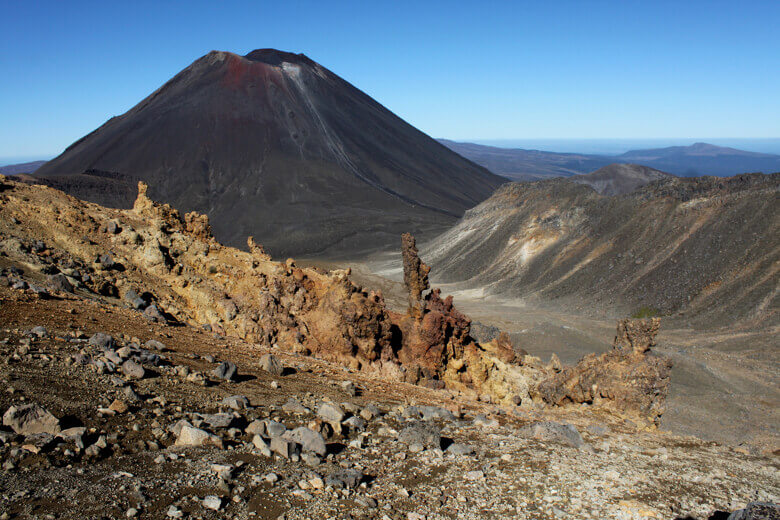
x=331, y=139
x=292, y=69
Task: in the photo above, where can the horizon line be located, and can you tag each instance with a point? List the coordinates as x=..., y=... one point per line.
x=48, y=156
x=600, y=138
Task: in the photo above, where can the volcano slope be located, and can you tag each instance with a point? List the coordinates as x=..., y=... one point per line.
x=703, y=250
x=150, y=371
x=273, y=144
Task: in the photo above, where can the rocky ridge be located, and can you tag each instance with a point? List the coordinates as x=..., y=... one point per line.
x=319, y=440
x=171, y=268
x=686, y=161
x=255, y=387
x=630, y=379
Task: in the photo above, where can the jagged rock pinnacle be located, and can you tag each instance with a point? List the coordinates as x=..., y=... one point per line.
x=415, y=274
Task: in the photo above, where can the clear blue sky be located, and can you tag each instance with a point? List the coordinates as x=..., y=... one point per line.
x=463, y=70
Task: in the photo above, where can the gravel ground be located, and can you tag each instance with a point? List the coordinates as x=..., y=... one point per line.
x=475, y=461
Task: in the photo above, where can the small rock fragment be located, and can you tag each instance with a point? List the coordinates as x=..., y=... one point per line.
x=474, y=475
x=284, y=447
x=191, y=436
x=30, y=419
x=294, y=406
x=484, y=422
x=101, y=340
x=355, y=423
x=757, y=511
x=236, y=402
x=112, y=227
x=261, y=445
x=212, y=502
x=274, y=429
x=367, y=502
x=256, y=427
x=60, y=283
x=460, y=449
x=118, y=406
x=349, y=388
x=217, y=420
x=421, y=433
x=331, y=412
x=349, y=478
x=153, y=344
x=271, y=364
x=435, y=412
x=39, y=331
x=308, y=439
x=153, y=314
x=133, y=370
x=225, y=370
x=553, y=431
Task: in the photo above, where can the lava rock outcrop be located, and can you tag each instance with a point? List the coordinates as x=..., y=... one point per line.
x=153, y=257
x=626, y=379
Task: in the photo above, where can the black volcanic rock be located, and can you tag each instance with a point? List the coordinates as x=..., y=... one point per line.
x=274, y=145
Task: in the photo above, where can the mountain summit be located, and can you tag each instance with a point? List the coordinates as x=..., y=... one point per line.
x=274, y=145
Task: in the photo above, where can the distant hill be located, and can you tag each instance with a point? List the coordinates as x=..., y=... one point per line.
x=617, y=179
x=685, y=161
x=707, y=247
x=526, y=165
x=16, y=169
x=703, y=159
x=273, y=144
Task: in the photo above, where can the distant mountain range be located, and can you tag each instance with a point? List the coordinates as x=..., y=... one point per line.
x=16, y=169
x=686, y=161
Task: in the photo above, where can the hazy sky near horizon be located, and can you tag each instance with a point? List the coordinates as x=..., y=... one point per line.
x=461, y=70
